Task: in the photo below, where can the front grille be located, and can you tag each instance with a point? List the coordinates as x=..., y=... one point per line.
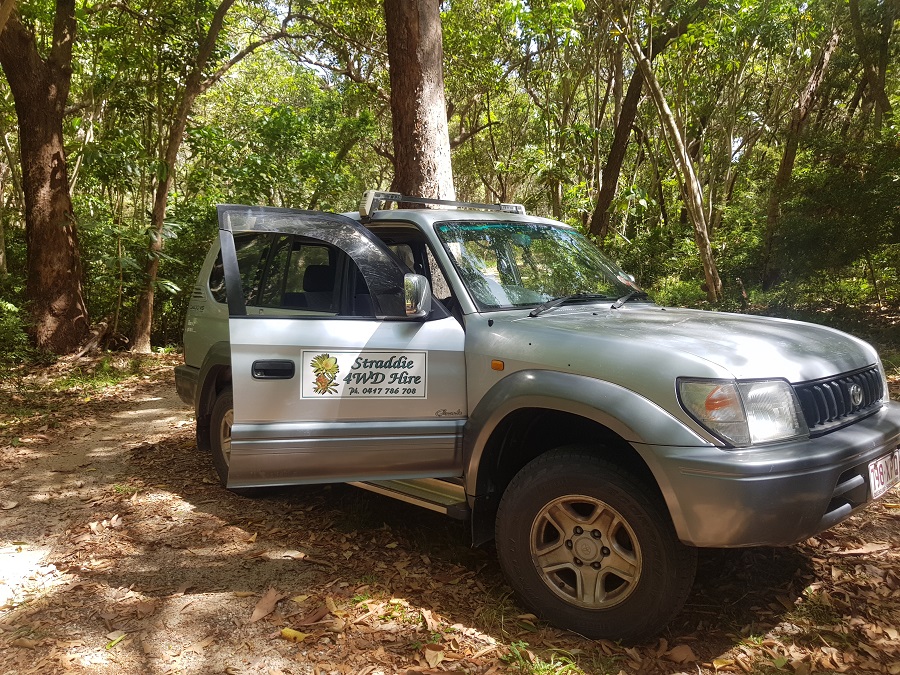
x=829, y=404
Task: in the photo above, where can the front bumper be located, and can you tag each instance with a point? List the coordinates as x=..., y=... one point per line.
x=774, y=495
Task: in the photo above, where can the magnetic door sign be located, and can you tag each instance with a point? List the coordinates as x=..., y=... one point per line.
x=365, y=374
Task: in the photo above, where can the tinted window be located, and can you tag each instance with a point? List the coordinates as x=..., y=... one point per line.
x=252, y=250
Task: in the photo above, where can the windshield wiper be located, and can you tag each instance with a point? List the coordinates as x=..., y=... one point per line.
x=625, y=298
x=556, y=302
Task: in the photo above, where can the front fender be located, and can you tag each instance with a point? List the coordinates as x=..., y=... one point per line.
x=634, y=418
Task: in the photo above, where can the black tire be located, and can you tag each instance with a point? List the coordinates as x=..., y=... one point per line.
x=220, y=422
x=570, y=519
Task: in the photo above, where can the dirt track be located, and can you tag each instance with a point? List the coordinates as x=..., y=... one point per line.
x=120, y=553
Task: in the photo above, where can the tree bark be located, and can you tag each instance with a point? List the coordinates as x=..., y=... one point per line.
x=40, y=87
x=799, y=114
x=422, y=164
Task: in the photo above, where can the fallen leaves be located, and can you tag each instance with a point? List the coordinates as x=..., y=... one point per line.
x=266, y=604
x=293, y=635
x=151, y=524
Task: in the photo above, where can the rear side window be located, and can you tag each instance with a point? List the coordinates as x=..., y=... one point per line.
x=252, y=251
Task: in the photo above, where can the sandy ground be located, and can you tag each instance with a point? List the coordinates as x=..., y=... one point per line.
x=120, y=553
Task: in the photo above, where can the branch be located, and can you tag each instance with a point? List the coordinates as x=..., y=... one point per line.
x=362, y=46
x=463, y=137
x=246, y=51
x=63, y=36
x=6, y=8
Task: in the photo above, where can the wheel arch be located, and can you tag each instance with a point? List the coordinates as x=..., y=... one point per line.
x=532, y=412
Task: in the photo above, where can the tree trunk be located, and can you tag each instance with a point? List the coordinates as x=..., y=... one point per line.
x=422, y=165
x=625, y=121
x=40, y=88
x=616, y=158
x=194, y=85
x=783, y=178
x=693, y=195
x=6, y=9
x=871, y=66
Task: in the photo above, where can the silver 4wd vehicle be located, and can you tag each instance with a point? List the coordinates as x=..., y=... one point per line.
x=495, y=367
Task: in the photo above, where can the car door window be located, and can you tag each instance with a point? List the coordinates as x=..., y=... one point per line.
x=302, y=275
x=381, y=271
x=252, y=252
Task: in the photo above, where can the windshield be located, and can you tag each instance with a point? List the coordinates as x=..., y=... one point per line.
x=505, y=264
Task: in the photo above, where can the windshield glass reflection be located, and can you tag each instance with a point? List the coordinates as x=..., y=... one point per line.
x=513, y=264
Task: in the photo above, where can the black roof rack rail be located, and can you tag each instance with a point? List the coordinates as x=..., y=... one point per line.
x=372, y=200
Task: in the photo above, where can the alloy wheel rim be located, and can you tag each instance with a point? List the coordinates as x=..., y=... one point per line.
x=585, y=552
x=225, y=435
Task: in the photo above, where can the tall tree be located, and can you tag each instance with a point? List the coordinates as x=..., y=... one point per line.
x=198, y=80
x=40, y=87
x=799, y=115
x=600, y=217
x=690, y=185
x=419, y=117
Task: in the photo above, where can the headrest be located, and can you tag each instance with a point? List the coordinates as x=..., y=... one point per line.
x=318, y=279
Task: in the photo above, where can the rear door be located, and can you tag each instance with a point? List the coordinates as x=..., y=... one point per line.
x=331, y=381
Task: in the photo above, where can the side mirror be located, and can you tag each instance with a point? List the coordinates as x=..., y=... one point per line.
x=418, y=296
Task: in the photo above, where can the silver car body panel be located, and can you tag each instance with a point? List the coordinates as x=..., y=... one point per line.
x=616, y=367
x=262, y=442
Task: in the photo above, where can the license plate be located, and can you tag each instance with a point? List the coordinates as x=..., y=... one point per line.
x=884, y=473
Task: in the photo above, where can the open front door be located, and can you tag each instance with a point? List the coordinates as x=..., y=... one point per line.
x=331, y=381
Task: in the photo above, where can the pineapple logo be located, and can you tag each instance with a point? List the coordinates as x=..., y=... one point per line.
x=326, y=369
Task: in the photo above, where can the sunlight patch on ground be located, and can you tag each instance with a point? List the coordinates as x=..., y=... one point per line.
x=21, y=574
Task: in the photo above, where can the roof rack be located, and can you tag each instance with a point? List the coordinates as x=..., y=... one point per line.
x=373, y=200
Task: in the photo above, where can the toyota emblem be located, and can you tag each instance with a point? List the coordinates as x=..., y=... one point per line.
x=856, y=395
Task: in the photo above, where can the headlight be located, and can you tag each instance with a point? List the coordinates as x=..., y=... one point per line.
x=744, y=413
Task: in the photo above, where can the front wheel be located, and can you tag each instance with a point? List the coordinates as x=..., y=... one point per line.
x=591, y=548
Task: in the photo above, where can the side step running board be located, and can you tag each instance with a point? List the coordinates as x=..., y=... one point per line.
x=435, y=494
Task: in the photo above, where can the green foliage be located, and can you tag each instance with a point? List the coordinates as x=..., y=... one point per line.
x=99, y=374
x=844, y=209
x=522, y=660
x=13, y=336
x=533, y=93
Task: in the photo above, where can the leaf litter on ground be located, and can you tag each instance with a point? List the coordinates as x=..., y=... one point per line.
x=145, y=546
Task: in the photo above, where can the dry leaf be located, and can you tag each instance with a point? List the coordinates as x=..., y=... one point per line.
x=867, y=548
x=266, y=605
x=300, y=598
x=722, y=663
x=681, y=654
x=314, y=617
x=293, y=635
x=431, y=623
x=434, y=654
x=7, y=505
x=198, y=647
